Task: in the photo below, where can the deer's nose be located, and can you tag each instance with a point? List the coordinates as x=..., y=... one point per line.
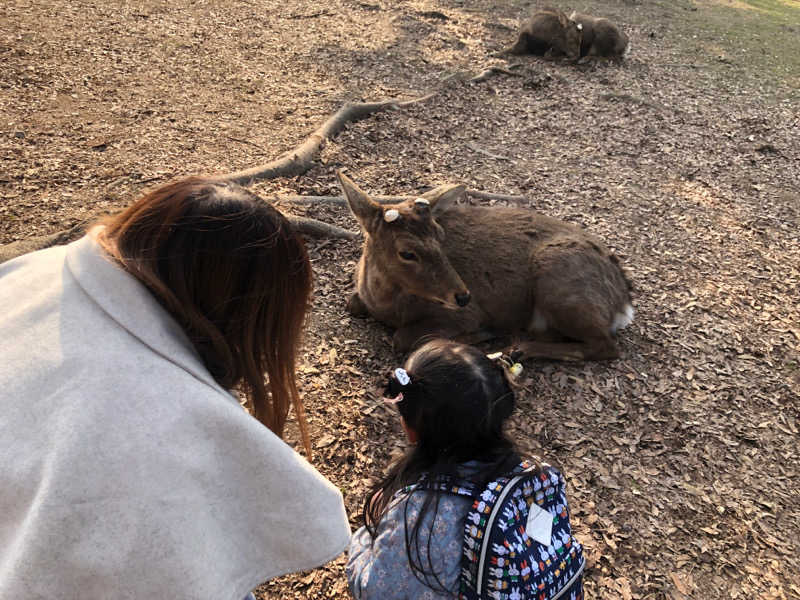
x=463, y=299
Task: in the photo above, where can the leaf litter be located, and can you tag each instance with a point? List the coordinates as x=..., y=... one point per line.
x=682, y=456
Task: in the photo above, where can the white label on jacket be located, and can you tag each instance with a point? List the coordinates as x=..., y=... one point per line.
x=539, y=525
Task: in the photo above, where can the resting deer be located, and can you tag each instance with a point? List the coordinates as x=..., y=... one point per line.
x=550, y=33
x=430, y=268
x=601, y=38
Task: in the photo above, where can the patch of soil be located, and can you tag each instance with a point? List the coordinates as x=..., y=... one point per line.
x=682, y=456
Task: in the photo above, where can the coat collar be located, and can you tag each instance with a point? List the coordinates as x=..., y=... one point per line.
x=126, y=300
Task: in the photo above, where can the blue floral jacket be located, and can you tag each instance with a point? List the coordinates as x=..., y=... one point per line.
x=380, y=569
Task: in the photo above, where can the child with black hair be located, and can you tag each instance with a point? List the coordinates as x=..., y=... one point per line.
x=453, y=402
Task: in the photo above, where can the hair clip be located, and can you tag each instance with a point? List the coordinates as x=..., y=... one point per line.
x=392, y=393
x=391, y=215
x=424, y=201
x=402, y=376
x=514, y=367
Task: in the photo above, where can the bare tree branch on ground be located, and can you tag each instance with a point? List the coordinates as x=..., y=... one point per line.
x=300, y=160
x=39, y=242
x=296, y=162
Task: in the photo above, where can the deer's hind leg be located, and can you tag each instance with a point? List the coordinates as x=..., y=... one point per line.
x=412, y=336
x=577, y=295
x=464, y=325
x=584, y=337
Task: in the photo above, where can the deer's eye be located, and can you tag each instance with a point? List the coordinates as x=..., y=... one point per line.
x=405, y=255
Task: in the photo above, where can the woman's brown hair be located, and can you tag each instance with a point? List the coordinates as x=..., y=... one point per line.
x=232, y=271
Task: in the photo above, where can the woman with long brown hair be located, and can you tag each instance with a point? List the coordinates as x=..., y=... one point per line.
x=128, y=467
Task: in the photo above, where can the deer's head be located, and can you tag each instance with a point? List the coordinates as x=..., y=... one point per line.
x=573, y=35
x=403, y=244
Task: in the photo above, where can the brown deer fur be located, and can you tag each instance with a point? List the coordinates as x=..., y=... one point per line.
x=549, y=32
x=601, y=38
x=525, y=273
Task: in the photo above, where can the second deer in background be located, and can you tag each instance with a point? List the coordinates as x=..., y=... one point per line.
x=601, y=38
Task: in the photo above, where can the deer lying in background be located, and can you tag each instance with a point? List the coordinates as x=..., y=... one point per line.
x=549, y=32
x=429, y=268
x=601, y=38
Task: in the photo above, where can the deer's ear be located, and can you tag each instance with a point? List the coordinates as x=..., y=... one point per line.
x=361, y=205
x=443, y=196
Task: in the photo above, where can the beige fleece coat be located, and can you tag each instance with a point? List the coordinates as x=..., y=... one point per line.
x=125, y=470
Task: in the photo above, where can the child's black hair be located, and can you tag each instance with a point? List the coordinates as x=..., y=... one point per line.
x=457, y=401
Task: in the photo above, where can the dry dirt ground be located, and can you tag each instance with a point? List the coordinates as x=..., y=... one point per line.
x=682, y=456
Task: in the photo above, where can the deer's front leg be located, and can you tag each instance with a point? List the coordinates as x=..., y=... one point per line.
x=411, y=336
x=356, y=306
x=406, y=338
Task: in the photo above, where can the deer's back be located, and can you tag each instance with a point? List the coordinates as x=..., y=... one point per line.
x=501, y=233
x=494, y=250
x=600, y=33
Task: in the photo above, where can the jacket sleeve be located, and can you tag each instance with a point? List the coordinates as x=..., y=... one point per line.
x=380, y=568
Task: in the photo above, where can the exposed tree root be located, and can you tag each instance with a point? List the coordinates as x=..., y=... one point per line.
x=304, y=225
x=314, y=228
x=294, y=162
x=300, y=160
x=479, y=150
x=39, y=242
x=339, y=200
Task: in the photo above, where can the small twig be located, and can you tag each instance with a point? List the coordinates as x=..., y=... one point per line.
x=489, y=71
x=480, y=150
x=434, y=14
x=685, y=65
x=132, y=178
x=182, y=129
x=311, y=16
x=241, y=141
x=493, y=196
x=483, y=75
x=452, y=76
x=151, y=179
x=229, y=137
